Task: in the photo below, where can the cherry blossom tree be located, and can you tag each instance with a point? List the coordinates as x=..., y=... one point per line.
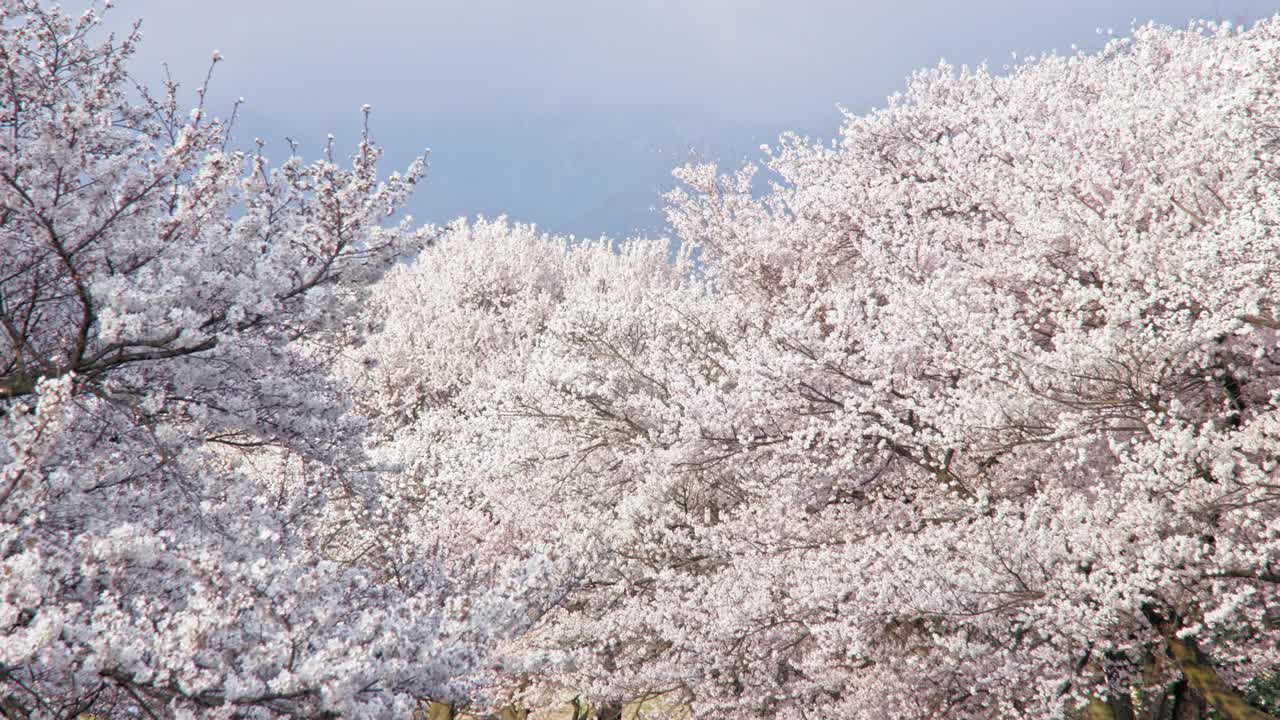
x=972, y=414
x=477, y=372
x=1020, y=330
x=185, y=501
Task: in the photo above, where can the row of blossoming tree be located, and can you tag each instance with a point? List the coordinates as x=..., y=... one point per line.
x=973, y=413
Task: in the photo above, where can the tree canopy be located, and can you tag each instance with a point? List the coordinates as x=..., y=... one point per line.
x=974, y=412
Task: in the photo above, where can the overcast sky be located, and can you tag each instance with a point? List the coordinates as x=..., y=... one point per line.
x=571, y=113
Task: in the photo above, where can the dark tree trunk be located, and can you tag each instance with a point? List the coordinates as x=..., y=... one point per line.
x=609, y=711
x=1186, y=703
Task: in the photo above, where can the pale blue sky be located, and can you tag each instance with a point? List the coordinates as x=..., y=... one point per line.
x=571, y=113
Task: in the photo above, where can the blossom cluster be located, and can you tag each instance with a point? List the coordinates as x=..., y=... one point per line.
x=178, y=466
x=974, y=412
